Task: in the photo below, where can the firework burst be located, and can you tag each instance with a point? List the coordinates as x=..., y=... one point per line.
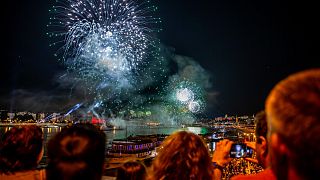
x=105, y=41
x=106, y=45
x=187, y=97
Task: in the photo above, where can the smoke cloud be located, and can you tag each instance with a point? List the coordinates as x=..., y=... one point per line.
x=150, y=90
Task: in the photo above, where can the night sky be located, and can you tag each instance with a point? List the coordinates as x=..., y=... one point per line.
x=246, y=47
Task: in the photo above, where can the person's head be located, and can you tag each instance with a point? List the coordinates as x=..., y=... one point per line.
x=21, y=148
x=77, y=152
x=293, y=114
x=131, y=170
x=183, y=155
x=261, y=138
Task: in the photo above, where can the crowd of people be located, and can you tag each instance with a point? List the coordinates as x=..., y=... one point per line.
x=287, y=146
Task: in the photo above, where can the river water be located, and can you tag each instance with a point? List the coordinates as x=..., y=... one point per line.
x=129, y=129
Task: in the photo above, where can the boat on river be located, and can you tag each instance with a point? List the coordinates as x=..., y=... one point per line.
x=139, y=148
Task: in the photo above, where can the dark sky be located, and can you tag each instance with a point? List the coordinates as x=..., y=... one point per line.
x=247, y=46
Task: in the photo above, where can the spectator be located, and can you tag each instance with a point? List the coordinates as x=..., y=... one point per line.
x=183, y=155
x=77, y=152
x=293, y=114
x=20, y=153
x=132, y=170
x=261, y=144
x=261, y=148
x=221, y=157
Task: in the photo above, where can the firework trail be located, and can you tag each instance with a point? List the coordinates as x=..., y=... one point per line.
x=75, y=107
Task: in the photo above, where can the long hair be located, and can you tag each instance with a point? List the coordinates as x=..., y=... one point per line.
x=183, y=155
x=20, y=149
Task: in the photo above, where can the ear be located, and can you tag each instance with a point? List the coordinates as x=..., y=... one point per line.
x=276, y=143
x=263, y=144
x=263, y=141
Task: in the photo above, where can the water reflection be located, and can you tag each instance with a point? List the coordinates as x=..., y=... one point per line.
x=50, y=131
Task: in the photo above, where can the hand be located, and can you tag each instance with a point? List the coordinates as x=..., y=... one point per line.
x=251, y=145
x=221, y=153
x=253, y=160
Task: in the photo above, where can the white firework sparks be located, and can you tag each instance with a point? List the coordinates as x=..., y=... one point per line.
x=184, y=95
x=187, y=97
x=105, y=40
x=194, y=106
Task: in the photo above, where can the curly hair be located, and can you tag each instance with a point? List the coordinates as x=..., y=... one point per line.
x=20, y=149
x=183, y=155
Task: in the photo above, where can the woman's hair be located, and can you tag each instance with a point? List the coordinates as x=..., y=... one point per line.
x=20, y=149
x=131, y=170
x=183, y=155
x=77, y=152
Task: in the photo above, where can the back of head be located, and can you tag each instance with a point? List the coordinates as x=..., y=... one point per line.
x=131, y=170
x=293, y=111
x=183, y=155
x=261, y=130
x=261, y=124
x=21, y=148
x=75, y=153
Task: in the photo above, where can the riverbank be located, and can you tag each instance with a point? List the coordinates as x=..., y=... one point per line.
x=38, y=124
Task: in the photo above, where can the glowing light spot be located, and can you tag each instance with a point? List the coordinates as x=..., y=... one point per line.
x=184, y=95
x=194, y=107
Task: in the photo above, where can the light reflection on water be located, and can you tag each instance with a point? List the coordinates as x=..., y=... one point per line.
x=49, y=132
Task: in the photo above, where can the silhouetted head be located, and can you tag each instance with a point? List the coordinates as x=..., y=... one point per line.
x=21, y=148
x=131, y=170
x=77, y=152
x=293, y=114
x=183, y=155
x=261, y=138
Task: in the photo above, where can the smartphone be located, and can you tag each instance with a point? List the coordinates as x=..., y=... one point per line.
x=240, y=150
